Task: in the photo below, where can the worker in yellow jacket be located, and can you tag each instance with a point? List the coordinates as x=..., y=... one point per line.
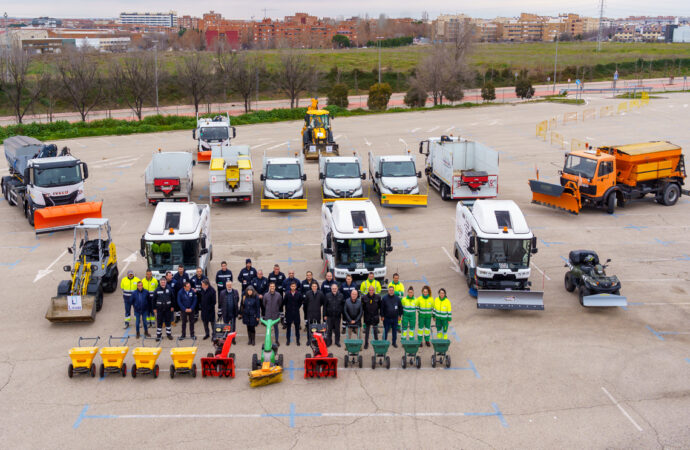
x=425, y=310
x=442, y=314
x=370, y=281
x=128, y=286
x=150, y=285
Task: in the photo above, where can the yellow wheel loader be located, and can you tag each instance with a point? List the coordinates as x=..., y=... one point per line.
x=317, y=136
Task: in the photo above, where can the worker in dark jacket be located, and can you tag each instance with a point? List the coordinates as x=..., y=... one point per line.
x=327, y=283
x=353, y=312
x=163, y=308
x=278, y=278
x=186, y=299
x=230, y=305
x=140, y=301
x=273, y=302
x=260, y=283
x=391, y=311
x=306, y=284
x=333, y=312
x=179, y=279
x=247, y=274
x=313, y=307
x=222, y=276
x=196, y=287
x=207, y=299
x=291, y=279
x=250, y=311
x=292, y=302
x=346, y=287
x=371, y=304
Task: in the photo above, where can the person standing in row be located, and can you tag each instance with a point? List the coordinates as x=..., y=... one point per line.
x=260, y=284
x=327, y=283
x=163, y=308
x=425, y=308
x=313, y=306
x=140, y=301
x=222, y=276
x=128, y=286
x=346, y=288
x=291, y=279
x=399, y=291
x=229, y=305
x=391, y=310
x=180, y=279
x=306, y=284
x=371, y=303
x=250, y=312
x=370, y=281
x=186, y=299
x=409, y=315
x=207, y=299
x=353, y=312
x=247, y=274
x=442, y=314
x=273, y=302
x=150, y=286
x=278, y=278
x=333, y=314
x=292, y=302
x=196, y=287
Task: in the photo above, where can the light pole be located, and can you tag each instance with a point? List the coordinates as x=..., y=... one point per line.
x=378, y=41
x=7, y=48
x=155, y=59
x=555, y=64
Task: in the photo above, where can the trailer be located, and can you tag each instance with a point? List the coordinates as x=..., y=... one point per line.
x=230, y=176
x=460, y=169
x=168, y=177
x=341, y=178
x=394, y=178
x=211, y=133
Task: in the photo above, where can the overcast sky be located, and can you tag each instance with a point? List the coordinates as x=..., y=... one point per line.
x=237, y=9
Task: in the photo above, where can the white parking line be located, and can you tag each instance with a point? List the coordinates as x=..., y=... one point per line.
x=366, y=141
x=449, y=129
x=455, y=267
x=277, y=145
x=625, y=413
x=118, y=158
x=540, y=271
x=414, y=130
x=433, y=129
x=260, y=145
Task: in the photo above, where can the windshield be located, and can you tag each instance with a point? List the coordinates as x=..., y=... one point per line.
x=398, y=169
x=504, y=253
x=360, y=253
x=282, y=172
x=57, y=176
x=319, y=121
x=213, y=133
x=166, y=255
x=577, y=165
x=342, y=170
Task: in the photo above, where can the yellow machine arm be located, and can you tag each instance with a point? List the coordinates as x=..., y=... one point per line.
x=81, y=275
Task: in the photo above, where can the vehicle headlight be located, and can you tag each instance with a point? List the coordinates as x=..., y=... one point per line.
x=291, y=193
x=337, y=191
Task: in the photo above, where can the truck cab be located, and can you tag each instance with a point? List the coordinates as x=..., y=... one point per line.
x=211, y=133
x=341, y=177
x=395, y=179
x=593, y=170
x=283, y=184
x=354, y=239
x=179, y=233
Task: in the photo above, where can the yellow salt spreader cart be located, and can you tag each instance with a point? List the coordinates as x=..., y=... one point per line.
x=145, y=359
x=113, y=357
x=82, y=358
x=183, y=358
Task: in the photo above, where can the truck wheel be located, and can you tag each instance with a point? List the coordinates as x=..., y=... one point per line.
x=99, y=298
x=568, y=281
x=670, y=195
x=29, y=211
x=611, y=203
x=445, y=192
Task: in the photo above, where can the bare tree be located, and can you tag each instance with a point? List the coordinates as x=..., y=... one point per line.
x=240, y=71
x=21, y=88
x=294, y=75
x=195, y=76
x=81, y=79
x=134, y=79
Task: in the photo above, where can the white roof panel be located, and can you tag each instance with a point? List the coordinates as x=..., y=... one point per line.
x=190, y=215
x=343, y=214
x=485, y=213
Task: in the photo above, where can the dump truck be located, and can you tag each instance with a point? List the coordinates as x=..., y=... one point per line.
x=94, y=271
x=283, y=188
x=46, y=184
x=317, y=136
x=168, y=177
x=179, y=233
x=613, y=176
x=341, y=177
x=211, y=133
x=230, y=176
x=395, y=180
x=460, y=169
x=493, y=245
x=354, y=240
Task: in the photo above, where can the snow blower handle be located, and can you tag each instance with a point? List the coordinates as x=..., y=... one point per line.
x=94, y=339
x=123, y=340
x=193, y=339
x=143, y=341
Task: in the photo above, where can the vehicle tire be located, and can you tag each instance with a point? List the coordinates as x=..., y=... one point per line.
x=255, y=362
x=134, y=371
x=93, y=370
x=583, y=293
x=156, y=371
x=433, y=360
x=373, y=362
x=346, y=361
x=617, y=292
x=388, y=362
x=447, y=361
x=671, y=194
x=29, y=211
x=101, y=371
x=110, y=285
x=123, y=370
x=455, y=253
x=360, y=361
x=403, y=362
x=99, y=298
x=610, y=203
x=568, y=282
x=418, y=361
x=280, y=360
x=70, y=371
x=172, y=371
x=330, y=355
x=445, y=192
x=209, y=355
x=193, y=370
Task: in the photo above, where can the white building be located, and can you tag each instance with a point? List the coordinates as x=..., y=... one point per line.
x=104, y=44
x=681, y=34
x=152, y=19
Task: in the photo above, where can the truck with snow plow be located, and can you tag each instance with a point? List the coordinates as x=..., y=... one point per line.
x=341, y=177
x=284, y=188
x=395, y=179
x=211, y=133
x=613, y=176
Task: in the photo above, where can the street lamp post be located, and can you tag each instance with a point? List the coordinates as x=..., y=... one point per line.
x=378, y=41
x=155, y=58
x=555, y=64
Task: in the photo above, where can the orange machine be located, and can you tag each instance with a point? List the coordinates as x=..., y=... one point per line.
x=612, y=176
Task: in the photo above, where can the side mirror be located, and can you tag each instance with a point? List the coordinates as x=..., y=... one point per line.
x=202, y=240
x=377, y=175
x=234, y=132
x=69, y=250
x=389, y=249
x=84, y=170
x=470, y=246
x=67, y=268
x=142, y=247
x=304, y=177
x=203, y=251
x=329, y=240
x=194, y=133
x=27, y=175
x=364, y=176
x=327, y=251
x=388, y=242
x=321, y=176
x=608, y=261
x=262, y=177
x=421, y=148
x=534, y=244
x=419, y=174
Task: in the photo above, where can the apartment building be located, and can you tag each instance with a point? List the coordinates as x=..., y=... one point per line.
x=168, y=20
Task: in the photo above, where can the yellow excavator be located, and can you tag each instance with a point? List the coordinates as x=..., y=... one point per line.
x=317, y=136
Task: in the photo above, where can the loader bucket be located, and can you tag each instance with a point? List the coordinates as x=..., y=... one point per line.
x=62, y=217
x=60, y=311
x=320, y=367
x=504, y=299
x=604, y=300
x=204, y=156
x=283, y=205
x=404, y=201
x=554, y=196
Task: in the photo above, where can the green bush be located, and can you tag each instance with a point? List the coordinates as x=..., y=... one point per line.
x=338, y=95
x=489, y=92
x=523, y=88
x=415, y=97
x=341, y=41
x=379, y=95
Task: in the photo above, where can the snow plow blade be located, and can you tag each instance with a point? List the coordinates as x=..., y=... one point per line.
x=404, y=200
x=319, y=367
x=604, y=300
x=355, y=199
x=204, y=156
x=554, y=196
x=63, y=217
x=283, y=205
x=500, y=299
x=59, y=311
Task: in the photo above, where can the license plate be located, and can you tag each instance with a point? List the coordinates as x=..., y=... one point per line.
x=329, y=148
x=361, y=266
x=502, y=265
x=312, y=148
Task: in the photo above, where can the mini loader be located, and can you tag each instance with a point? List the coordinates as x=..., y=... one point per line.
x=94, y=271
x=269, y=368
x=589, y=276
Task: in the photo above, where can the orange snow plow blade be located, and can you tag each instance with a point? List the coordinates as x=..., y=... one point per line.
x=62, y=217
x=554, y=196
x=204, y=156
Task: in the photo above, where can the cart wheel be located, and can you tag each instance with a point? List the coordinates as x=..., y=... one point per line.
x=124, y=369
x=280, y=360
x=360, y=360
x=209, y=355
x=433, y=360
x=156, y=371
x=330, y=355
x=447, y=361
x=232, y=356
x=101, y=371
x=172, y=371
x=193, y=370
x=70, y=371
x=418, y=360
x=373, y=362
x=403, y=363
x=255, y=362
x=134, y=370
x=346, y=360
x=388, y=362
x=307, y=356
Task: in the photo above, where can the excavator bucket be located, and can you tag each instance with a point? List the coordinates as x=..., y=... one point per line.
x=78, y=308
x=604, y=300
x=283, y=205
x=62, y=217
x=203, y=156
x=267, y=374
x=404, y=200
x=554, y=196
x=320, y=367
x=501, y=299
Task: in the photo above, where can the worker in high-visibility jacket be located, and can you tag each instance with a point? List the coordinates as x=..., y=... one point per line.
x=409, y=315
x=442, y=314
x=128, y=286
x=370, y=281
x=150, y=285
x=399, y=290
x=425, y=310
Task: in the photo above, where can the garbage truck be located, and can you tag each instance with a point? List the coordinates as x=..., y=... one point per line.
x=341, y=177
x=230, y=177
x=354, y=240
x=46, y=184
x=283, y=188
x=460, y=169
x=211, y=133
x=395, y=180
x=168, y=177
x=614, y=176
x=493, y=245
x=179, y=233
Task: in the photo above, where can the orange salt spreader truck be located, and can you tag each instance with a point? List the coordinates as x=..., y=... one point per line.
x=46, y=184
x=612, y=176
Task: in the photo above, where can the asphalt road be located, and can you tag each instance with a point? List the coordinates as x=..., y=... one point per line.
x=566, y=377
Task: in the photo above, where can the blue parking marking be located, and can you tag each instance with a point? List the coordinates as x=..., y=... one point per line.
x=422, y=280
x=290, y=261
x=389, y=216
x=414, y=261
x=10, y=264
x=291, y=369
x=664, y=243
x=291, y=230
x=288, y=217
x=124, y=336
x=83, y=415
x=683, y=258
x=201, y=196
x=661, y=334
x=291, y=244
x=549, y=244
x=103, y=188
x=687, y=360
x=635, y=227
x=404, y=244
x=396, y=228
x=292, y=415
x=452, y=332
